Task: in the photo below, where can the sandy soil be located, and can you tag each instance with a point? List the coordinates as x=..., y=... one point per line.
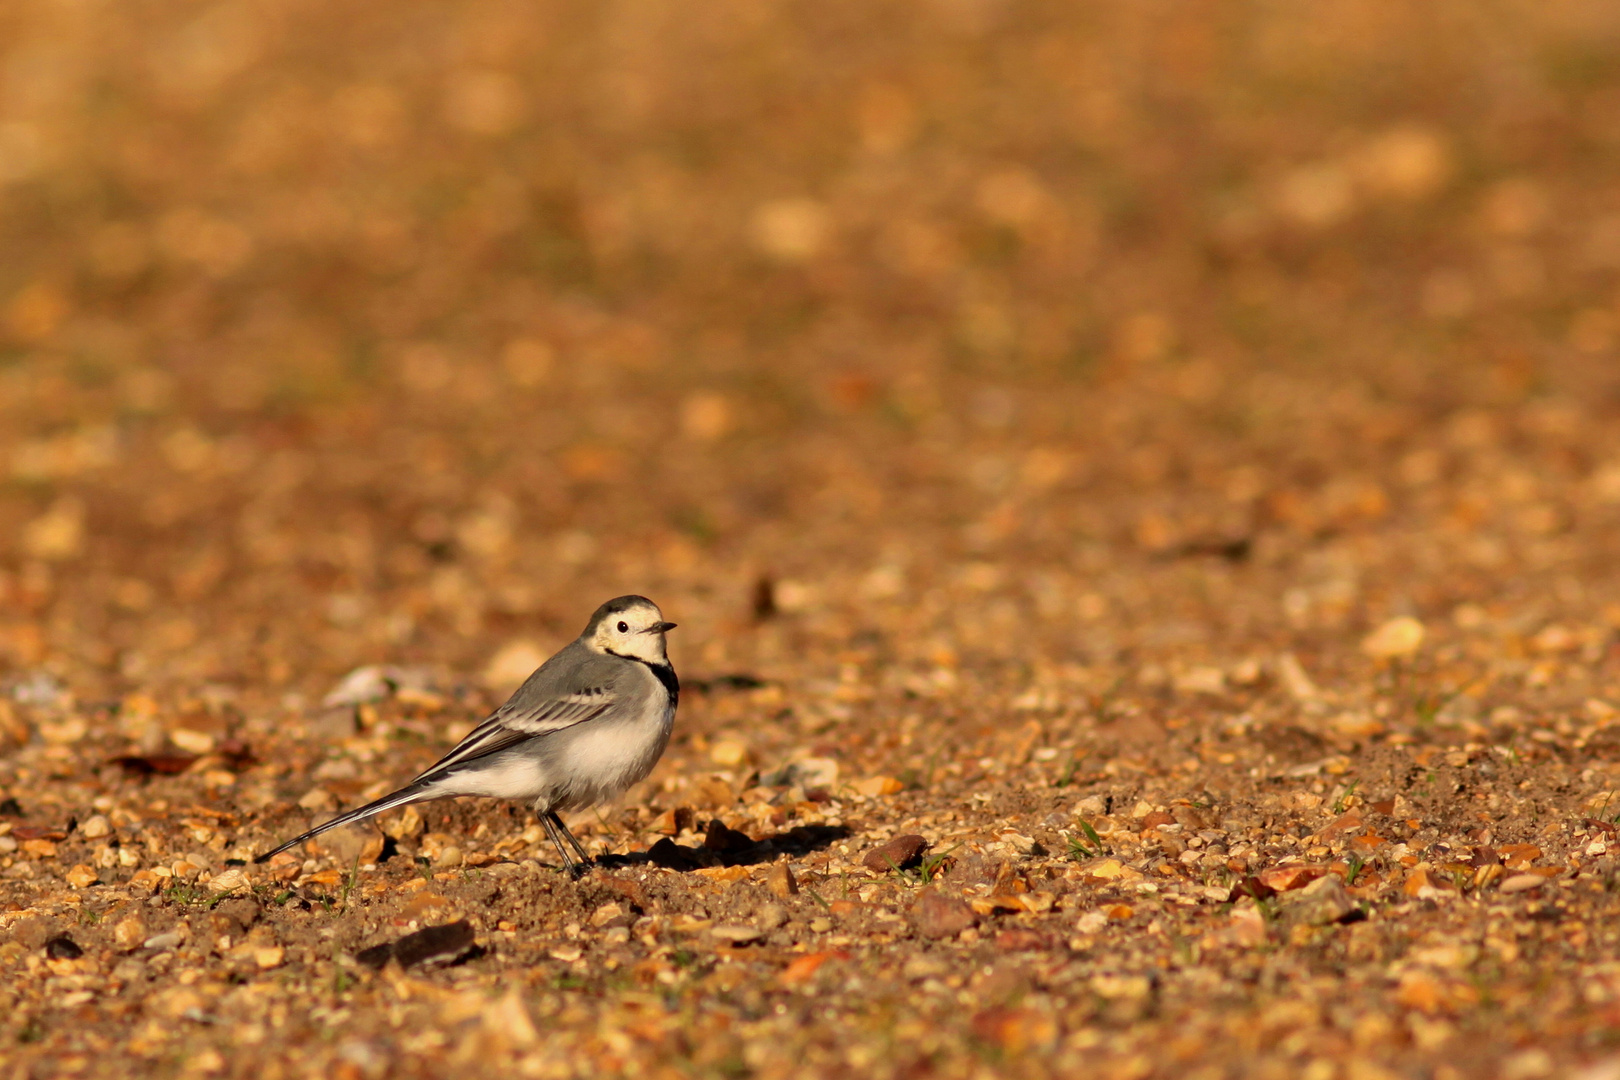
x=1138, y=487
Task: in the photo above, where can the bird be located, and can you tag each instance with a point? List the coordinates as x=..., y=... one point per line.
x=586, y=725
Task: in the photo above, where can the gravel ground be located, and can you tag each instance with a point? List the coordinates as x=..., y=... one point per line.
x=1138, y=486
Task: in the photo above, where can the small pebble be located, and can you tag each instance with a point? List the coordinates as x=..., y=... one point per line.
x=1321, y=903
x=1091, y=922
x=900, y=853
x=606, y=913
x=728, y=754
x=781, y=881
x=938, y=916
x=1398, y=637
x=228, y=880
x=130, y=932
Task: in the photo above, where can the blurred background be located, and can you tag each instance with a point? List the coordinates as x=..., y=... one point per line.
x=954, y=338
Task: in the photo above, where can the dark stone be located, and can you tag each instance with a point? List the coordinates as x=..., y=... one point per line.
x=377, y=956
x=160, y=764
x=1017, y=940
x=449, y=942
x=901, y=853
x=62, y=947
x=764, y=598
x=738, y=680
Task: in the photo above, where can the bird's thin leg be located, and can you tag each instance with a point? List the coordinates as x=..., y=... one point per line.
x=557, y=821
x=549, y=821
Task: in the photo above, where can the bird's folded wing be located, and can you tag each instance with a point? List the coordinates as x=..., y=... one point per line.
x=511, y=724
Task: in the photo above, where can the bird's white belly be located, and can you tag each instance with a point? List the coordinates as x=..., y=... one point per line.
x=510, y=777
x=603, y=761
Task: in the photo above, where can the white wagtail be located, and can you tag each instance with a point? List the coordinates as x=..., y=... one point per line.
x=588, y=723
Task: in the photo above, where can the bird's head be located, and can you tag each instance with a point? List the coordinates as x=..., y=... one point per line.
x=629, y=626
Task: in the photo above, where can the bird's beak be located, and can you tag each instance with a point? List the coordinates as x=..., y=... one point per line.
x=659, y=627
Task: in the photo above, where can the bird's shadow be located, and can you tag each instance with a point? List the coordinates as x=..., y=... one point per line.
x=725, y=846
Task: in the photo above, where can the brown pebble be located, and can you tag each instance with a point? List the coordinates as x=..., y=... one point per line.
x=1157, y=818
x=737, y=935
x=901, y=853
x=130, y=932
x=430, y=943
x=1288, y=878
x=939, y=916
x=671, y=822
x=781, y=881
x=1321, y=903
x=1017, y=940
x=1192, y=818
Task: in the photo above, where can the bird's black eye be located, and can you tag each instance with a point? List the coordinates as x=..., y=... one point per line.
x=624, y=627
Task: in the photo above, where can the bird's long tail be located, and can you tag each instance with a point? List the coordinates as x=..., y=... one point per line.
x=410, y=793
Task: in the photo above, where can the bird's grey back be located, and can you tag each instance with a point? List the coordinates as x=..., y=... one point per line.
x=574, y=668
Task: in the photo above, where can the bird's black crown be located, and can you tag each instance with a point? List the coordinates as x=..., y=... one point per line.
x=614, y=606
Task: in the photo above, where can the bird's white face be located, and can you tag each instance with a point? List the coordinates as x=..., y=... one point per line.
x=636, y=632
